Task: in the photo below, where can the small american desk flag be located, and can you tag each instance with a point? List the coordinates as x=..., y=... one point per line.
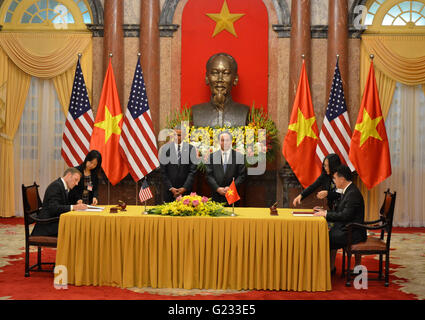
x=145, y=192
x=137, y=141
x=335, y=135
x=79, y=123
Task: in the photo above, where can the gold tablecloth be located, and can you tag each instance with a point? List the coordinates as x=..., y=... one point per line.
x=250, y=251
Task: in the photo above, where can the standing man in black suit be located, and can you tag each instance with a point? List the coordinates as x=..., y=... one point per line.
x=56, y=202
x=225, y=165
x=177, y=167
x=349, y=209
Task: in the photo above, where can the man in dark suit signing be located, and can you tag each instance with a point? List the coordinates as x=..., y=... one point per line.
x=349, y=209
x=177, y=167
x=56, y=202
x=225, y=165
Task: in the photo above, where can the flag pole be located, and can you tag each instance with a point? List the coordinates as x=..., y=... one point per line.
x=233, y=204
x=145, y=212
x=109, y=199
x=136, y=191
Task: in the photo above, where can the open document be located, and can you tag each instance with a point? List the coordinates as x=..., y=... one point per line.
x=93, y=209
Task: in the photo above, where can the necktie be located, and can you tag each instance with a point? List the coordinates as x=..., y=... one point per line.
x=179, y=154
x=225, y=162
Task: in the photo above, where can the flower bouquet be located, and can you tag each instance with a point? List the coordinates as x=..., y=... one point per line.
x=258, y=140
x=190, y=205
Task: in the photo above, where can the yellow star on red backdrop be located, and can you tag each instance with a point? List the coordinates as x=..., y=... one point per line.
x=225, y=20
x=110, y=124
x=303, y=127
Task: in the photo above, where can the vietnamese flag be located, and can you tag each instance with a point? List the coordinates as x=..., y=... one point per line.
x=232, y=194
x=369, y=148
x=107, y=130
x=299, y=145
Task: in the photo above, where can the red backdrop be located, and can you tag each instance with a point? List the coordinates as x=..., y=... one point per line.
x=249, y=48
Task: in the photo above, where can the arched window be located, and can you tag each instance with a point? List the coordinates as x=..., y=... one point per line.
x=395, y=15
x=45, y=14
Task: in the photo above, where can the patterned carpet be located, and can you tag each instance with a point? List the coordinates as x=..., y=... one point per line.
x=407, y=272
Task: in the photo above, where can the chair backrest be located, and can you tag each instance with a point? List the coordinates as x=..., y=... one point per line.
x=31, y=201
x=387, y=213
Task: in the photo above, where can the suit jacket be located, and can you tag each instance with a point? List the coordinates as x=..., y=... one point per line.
x=77, y=192
x=55, y=203
x=349, y=209
x=216, y=177
x=174, y=173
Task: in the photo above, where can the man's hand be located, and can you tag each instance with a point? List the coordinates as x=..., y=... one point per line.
x=80, y=201
x=181, y=191
x=297, y=200
x=79, y=206
x=94, y=201
x=322, y=194
x=221, y=191
x=320, y=213
x=175, y=192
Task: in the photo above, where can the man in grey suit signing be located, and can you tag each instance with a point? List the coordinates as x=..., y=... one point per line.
x=225, y=165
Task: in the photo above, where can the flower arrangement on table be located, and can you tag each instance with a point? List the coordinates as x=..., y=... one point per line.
x=258, y=140
x=190, y=205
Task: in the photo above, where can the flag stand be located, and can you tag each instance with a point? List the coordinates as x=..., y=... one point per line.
x=233, y=210
x=137, y=187
x=109, y=193
x=145, y=212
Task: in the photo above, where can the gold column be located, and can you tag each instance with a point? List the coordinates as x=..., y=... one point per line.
x=113, y=42
x=149, y=49
x=300, y=45
x=337, y=43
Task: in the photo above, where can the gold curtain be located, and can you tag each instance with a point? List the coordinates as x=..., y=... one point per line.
x=397, y=58
x=43, y=55
x=18, y=83
x=3, y=86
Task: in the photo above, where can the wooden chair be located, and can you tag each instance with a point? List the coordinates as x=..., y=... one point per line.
x=32, y=204
x=373, y=245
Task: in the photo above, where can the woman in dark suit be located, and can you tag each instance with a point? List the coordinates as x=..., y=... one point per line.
x=87, y=188
x=329, y=166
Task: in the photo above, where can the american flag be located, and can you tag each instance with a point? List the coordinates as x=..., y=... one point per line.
x=145, y=192
x=335, y=136
x=137, y=142
x=79, y=123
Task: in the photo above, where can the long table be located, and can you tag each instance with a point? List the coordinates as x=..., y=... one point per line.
x=252, y=250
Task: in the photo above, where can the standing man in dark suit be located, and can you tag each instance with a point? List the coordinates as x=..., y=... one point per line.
x=56, y=202
x=225, y=165
x=349, y=209
x=177, y=167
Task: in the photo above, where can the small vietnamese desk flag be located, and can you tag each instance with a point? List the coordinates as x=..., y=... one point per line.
x=107, y=130
x=232, y=194
x=299, y=145
x=369, y=149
